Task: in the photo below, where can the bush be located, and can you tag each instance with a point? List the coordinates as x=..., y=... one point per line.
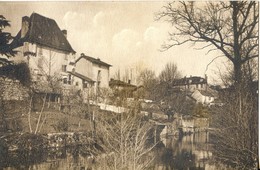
x=63, y=125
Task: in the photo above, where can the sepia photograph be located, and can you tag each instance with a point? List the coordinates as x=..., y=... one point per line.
x=129, y=85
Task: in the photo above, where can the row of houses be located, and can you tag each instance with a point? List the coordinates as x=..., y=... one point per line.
x=45, y=48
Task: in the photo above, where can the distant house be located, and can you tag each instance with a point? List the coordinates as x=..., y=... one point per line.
x=45, y=47
x=123, y=87
x=202, y=96
x=191, y=83
x=118, y=84
x=94, y=69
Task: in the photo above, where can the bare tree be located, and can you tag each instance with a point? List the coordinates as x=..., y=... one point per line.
x=125, y=141
x=229, y=27
x=236, y=136
x=169, y=73
x=41, y=90
x=148, y=79
x=145, y=76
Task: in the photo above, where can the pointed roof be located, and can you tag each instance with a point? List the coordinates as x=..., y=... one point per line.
x=43, y=31
x=93, y=60
x=81, y=76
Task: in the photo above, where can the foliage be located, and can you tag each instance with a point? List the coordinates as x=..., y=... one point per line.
x=18, y=71
x=63, y=125
x=229, y=27
x=27, y=141
x=236, y=135
x=200, y=111
x=5, y=38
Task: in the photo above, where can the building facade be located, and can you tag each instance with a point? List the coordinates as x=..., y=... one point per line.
x=191, y=83
x=44, y=46
x=96, y=70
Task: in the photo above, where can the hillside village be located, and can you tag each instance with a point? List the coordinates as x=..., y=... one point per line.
x=53, y=97
x=44, y=47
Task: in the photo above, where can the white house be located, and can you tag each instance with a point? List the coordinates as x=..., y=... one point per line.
x=191, y=83
x=95, y=69
x=44, y=46
x=204, y=97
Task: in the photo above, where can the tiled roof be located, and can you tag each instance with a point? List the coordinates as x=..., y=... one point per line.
x=81, y=76
x=93, y=60
x=189, y=80
x=43, y=31
x=113, y=82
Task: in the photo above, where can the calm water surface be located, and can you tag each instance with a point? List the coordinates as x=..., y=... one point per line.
x=191, y=152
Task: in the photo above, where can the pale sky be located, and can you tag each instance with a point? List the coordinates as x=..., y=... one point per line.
x=123, y=34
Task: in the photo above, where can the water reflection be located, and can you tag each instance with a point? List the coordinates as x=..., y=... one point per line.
x=55, y=159
x=188, y=152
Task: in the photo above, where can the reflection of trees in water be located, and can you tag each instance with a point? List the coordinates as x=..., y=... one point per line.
x=183, y=153
x=62, y=158
x=187, y=152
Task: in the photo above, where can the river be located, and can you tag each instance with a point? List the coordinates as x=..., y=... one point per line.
x=188, y=152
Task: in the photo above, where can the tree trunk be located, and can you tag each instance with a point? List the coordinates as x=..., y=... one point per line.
x=237, y=57
x=237, y=72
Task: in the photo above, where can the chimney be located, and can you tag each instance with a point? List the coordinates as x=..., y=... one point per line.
x=206, y=78
x=25, y=26
x=64, y=33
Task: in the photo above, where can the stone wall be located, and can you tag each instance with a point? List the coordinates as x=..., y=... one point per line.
x=12, y=90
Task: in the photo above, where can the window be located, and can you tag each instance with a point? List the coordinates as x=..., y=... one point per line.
x=66, y=57
x=65, y=81
x=85, y=84
x=69, y=79
x=77, y=83
x=64, y=68
x=99, y=75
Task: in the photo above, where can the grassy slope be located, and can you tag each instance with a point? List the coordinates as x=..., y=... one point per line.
x=76, y=123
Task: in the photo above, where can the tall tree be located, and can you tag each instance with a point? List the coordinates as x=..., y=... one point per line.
x=5, y=38
x=148, y=79
x=230, y=27
x=169, y=73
